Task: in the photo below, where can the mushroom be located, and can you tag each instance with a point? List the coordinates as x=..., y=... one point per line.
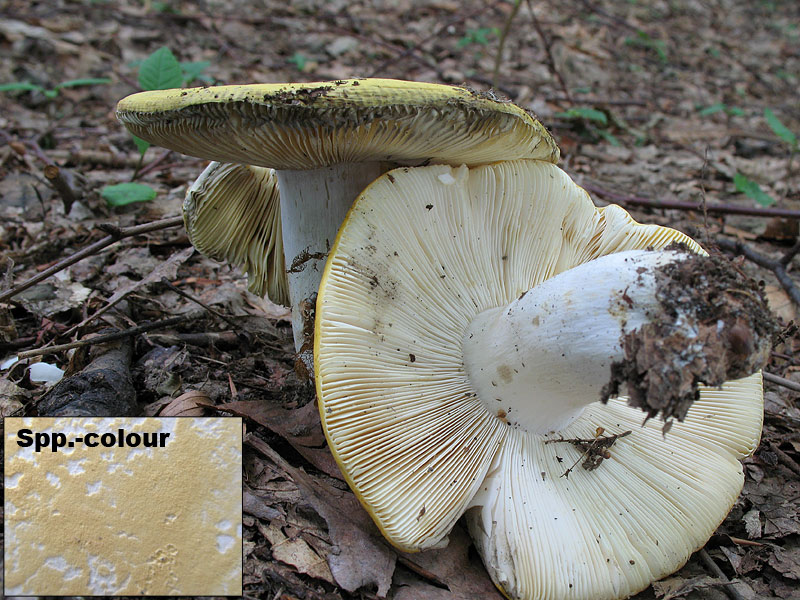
x=232, y=214
x=328, y=141
x=462, y=367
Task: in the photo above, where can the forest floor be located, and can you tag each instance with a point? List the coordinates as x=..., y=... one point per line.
x=664, y=107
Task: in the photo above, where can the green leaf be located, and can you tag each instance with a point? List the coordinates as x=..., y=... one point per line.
x=193, y=70
x=589, y=114
x=733, y=111
x=609, y=137
x=463, y=42
x=645, y=40
x=298, y=60
x=141, y=145
x=20, y=86
x=714, y=108
x=127, y=193
x=779, y=128
x=752, y=190
x=82, y=82
x=160, y=71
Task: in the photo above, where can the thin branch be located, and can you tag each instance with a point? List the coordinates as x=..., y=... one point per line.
x=590, y=100
x=785, y=458
x=153, y=165
x=551, y=63
x=188, y=296
x=115, y=234
x=498, y=59
x=729, y=588
x=109, y=337
x=421, y=571
x=776, y=266
x=730, y=209
x=59, y=180
x=790, y=253
x=781, y=381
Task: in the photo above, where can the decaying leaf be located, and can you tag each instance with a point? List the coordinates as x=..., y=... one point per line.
x=296, y=552
x=752, y=523
x=780, y=303
x=786, y=561
x=193, y=403
x=678, y=587
x=359, y=557
x=464, y=575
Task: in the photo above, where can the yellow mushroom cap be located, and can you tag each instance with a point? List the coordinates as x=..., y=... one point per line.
x=310, y=125
x=232, y=214
x=419, y=447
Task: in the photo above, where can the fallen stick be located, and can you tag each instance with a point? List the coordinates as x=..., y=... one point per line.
x=107, y=337
x=731, y=209
x=776, y=266
x=777, y=380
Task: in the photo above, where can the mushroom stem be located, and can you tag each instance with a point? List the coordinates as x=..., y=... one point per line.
x=657, y=323
x=313, y=205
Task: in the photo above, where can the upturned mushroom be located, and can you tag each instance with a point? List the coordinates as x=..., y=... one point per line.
x=470, y=365
x=328, y=141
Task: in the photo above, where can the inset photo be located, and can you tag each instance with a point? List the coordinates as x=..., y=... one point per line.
x=123, y=506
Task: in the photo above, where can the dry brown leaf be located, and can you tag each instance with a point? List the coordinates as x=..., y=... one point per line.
x=780, y=303
x=752, y=523
x=781, y=230
x=678, y=587
x=738, y=233
x=193, y=403
x=294, y=551
x=786, y=561
x=360, y=557
x=465, y=576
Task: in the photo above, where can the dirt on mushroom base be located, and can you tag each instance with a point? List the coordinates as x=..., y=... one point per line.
x=663, y=367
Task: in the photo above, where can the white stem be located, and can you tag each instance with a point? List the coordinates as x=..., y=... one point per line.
x=313, y=206
x=540, y=360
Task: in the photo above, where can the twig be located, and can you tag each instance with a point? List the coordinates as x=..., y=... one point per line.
x=729, y=588
x=152, y=166
x=551, y=63
x=599, y=101
x=214, y=312
x=777, y=380
x=790, y=253
x=731, y=209
x=17, y=343
x=37, y=150
x=421, y=571
x=100, y=312
x=785, y=458
x=58, y=180
x=107, y=337
x=776, y=266
x=743, y=542
x=116, y=234
x=502, y=43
